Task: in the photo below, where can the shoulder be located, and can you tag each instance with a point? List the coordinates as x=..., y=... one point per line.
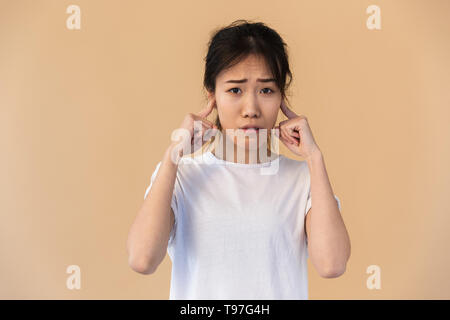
x=293, y=164
x=189, y=164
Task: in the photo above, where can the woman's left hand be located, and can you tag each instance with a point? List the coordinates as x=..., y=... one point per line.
x=296, y=134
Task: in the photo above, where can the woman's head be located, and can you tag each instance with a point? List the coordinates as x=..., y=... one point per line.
x=247, y=52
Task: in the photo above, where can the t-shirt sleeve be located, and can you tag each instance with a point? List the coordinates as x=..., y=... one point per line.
x=308, y=203
x=174, y=202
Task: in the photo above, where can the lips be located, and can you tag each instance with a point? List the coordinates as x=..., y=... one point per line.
x=248, y=127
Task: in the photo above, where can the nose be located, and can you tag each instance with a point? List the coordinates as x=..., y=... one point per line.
x=250, y=108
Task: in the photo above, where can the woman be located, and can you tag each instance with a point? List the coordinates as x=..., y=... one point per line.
x=233, y=228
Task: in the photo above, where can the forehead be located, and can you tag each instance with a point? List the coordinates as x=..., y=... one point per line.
x=252, y=67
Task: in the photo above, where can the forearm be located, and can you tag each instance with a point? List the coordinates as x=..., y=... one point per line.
x=149, y=234
x=329, y=241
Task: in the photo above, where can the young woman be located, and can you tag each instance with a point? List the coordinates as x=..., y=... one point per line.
x=233, y=230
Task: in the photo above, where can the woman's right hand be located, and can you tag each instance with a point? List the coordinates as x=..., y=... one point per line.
x=189, y=136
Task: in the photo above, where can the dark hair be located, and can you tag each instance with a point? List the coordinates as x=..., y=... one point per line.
x=233, y=43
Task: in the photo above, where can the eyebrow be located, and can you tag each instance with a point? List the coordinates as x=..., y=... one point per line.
x=245, y=80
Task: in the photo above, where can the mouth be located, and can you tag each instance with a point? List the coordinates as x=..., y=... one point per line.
x=250, y=128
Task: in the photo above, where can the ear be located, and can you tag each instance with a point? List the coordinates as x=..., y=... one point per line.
x=211, y=95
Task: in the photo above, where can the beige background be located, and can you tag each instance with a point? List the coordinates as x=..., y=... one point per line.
x=87, y=114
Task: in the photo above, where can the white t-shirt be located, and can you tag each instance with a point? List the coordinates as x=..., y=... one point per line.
x=239, y=229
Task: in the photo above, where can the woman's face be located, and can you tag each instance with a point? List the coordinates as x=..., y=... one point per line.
x=247, y=94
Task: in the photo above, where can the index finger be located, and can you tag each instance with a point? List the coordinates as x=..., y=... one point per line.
x=288, y=112
x=208, y=109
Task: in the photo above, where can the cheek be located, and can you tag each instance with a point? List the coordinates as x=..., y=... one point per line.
x=271, y=112
x=228, y=103
x=227, y=110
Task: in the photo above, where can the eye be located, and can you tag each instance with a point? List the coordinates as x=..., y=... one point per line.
x=269, y=89
x=234, y=89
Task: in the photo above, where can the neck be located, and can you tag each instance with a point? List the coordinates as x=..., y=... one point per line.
x=242, y=154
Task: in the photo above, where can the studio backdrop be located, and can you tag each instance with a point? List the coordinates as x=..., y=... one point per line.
x=90, y=92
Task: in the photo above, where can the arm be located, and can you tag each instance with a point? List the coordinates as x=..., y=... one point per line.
x=328, y=240
x=149, y=235
x=150, y=231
